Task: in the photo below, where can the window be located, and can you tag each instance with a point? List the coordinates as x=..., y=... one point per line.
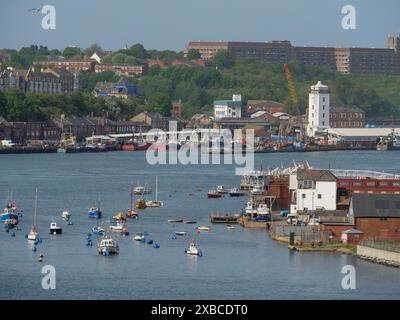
x=303, y=195
x=320, y=196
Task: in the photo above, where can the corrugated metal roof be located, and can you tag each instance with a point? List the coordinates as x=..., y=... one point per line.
x=376, y=205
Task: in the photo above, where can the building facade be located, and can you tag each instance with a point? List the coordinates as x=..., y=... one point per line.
x=70, y=65
x=347, y=117
x=318, y=109
x=126, y=70
x=50, y=81
x=228, y=108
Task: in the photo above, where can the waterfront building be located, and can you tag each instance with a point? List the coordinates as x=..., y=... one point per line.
x=5, y=129
x=376, y=215
x=318, y=109
x=228, y=108
x=35, y=131
x=202, y=121
x=156, y=121
x=241, y=123
x=313, y=190
x=347, y=117
x=79, y=127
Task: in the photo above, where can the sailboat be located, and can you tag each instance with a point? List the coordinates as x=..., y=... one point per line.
x=156, y=203
x=33, y=234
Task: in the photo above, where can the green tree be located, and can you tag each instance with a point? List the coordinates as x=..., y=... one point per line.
x=119, y=58
x=70, y=52
x=161, y=103
x=193, y=54
x=224, y=59
x=138, y=51
x=89, y=51
x=3, y=104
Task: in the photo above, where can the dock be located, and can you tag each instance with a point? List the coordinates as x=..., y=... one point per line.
x=225, y=218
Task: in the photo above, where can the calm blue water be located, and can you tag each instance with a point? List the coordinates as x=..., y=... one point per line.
x=237, y=264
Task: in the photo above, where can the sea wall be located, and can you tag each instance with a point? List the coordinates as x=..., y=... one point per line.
x=379, y=256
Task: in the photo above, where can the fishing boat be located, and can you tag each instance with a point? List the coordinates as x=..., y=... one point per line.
x=250, y=208
x=55, y=229
x=181, y=233
x=34, y=234
x=139, y=237
x=235, y=192
x=95, y=212
x=131, y=214
x=213, y=194
x=155, y=203
x=193, y=250
x=108, y=246
x=98, y=231
x=263, y=210
x=175, y=220
x=203, y=228
x=222, y=190
x=120, y=217
x=65, y=215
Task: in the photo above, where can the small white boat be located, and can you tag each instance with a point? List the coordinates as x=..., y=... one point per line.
x=230, y=227
x=118, y=227
x=141, y=190
x=139, y=237
x=107, y=246
x=54, y=229
x=203, y=228
x=263, y=210
x=181, y=233
x=65, y=215
x=193, y=250
x=175, y=220
x=222, y=190
x=257, y=190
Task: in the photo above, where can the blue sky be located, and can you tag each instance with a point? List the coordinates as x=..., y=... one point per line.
x=170, y=24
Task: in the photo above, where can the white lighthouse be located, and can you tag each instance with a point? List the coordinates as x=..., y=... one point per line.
x=318, y=109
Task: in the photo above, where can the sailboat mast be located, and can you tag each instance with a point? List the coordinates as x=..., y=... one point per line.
x=35, y=212
x=156, y=188
x=131, y=196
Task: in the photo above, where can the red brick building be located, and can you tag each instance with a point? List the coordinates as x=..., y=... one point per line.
x=137, y=70
x=347, y=117
x=376, y=215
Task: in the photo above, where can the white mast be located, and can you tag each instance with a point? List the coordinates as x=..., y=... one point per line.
x=156, y=188
x=35, y=212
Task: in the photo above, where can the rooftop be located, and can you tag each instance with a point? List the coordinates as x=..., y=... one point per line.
x=375, y=205
x=315, y=175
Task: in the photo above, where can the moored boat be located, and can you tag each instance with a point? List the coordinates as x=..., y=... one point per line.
x=181, y=233
x=98, y=231
x=139, y=237
x=108, y=246
x=203, y=228
x=95, y=212
x=155, y=203
x=213, y=194
x=193, y=250
x=175, y=220
x=55, y=229
x=65, y=215
x=235, y=192
x=140, y=204
x=222, y=190
x=33, y=233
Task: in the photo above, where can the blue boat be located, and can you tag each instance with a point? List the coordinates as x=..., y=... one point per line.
x=98, y=231
x=94, y=213
x=10, y=214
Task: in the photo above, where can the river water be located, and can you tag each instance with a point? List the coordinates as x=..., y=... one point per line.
x=237, y=264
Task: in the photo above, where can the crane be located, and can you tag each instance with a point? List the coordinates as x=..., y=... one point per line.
x=292, y=89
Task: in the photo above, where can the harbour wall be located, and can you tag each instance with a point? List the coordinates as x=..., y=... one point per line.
x=379, y=255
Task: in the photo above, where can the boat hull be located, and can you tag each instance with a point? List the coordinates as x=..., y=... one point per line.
x=55, y=231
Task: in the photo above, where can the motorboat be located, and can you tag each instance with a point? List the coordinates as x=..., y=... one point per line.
x=94, y=213
x=139, y=237
x=203, y=228
x=65, y=215
x=108, y=246
x=120, y=217
x=141, y=190
x=132, y=214
x=222, y=190
x=257, y=190
x=181, y=233
x=55, y=229
x=263, y=210
x=193, y=250
x=230, y=227
x=98, y=231
x=235, y=192
x=213, y=194
x=118, y=227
